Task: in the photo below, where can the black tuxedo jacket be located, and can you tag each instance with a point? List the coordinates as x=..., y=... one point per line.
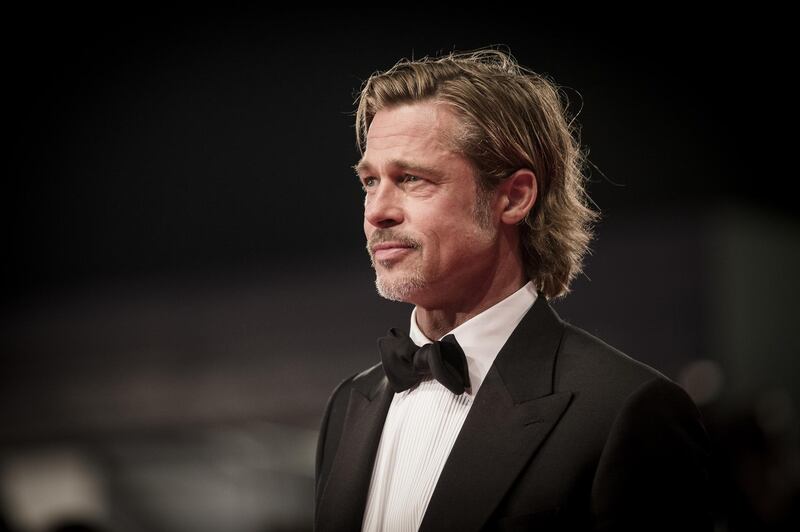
x=565, y=433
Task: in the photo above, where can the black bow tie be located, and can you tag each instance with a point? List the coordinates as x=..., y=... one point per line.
x=405, y=364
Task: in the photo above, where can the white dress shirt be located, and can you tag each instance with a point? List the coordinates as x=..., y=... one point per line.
x=423, y=422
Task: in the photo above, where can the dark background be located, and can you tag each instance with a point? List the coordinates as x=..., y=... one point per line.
x=185, y=275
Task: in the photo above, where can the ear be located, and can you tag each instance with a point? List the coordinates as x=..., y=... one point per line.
x=518, y=195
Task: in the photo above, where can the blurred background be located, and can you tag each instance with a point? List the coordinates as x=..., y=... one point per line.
x=185, y=279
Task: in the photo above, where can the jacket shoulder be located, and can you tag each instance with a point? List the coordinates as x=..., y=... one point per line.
x=586, y=362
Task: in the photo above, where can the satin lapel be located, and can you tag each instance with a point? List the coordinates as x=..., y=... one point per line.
x=514, y=411
x=351, y=472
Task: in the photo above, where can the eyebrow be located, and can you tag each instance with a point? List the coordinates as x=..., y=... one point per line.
x=363, y=167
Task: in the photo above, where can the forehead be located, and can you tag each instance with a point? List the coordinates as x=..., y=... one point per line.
x=425, y=121
x=420, y=132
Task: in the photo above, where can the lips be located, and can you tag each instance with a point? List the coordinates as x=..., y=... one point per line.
x=386, y=251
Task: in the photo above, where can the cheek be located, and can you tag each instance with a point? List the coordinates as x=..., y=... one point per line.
x=445, y=240
x=464, y=238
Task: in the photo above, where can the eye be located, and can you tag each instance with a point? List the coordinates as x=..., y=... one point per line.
x=368, y=182
x=408, y=178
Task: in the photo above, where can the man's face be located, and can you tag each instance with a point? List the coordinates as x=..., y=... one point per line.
x=421, y=214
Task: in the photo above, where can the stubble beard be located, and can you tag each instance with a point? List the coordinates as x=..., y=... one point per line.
x=400, y=286
x=397, y=281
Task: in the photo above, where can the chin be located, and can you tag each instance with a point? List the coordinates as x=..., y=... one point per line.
x=399, y=288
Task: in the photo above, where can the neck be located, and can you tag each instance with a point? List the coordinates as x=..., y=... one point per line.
x=436, y=320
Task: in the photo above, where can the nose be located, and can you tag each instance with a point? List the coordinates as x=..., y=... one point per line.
x=382, y=206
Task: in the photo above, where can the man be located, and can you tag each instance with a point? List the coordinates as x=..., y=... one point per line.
x=493, y=413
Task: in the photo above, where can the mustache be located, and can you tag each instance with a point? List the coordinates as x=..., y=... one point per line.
x=388, y=235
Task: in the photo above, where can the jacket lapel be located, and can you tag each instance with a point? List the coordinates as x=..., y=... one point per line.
x=514, y=411
x=342, y=508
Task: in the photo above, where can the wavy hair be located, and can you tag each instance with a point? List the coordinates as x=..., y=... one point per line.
x=511, y=118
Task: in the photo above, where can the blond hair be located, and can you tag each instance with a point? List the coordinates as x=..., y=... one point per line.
x=512, y=118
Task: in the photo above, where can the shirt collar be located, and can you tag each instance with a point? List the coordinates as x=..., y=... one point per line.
x=482, y=336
